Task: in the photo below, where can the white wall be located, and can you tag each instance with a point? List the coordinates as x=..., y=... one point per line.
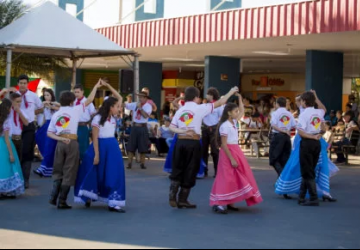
x=128, y=14
x=257, y=3
x=177, y=8
x=101, y=13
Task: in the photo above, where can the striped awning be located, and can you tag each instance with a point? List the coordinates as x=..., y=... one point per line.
x=310, y=17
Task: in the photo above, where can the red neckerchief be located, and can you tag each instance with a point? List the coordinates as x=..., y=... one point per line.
x=79, y=101
x=25, y=101
x=138, y=112
x=182, y=103
x=16, y=115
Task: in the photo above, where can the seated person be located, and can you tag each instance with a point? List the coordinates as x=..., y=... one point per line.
x=350, y=127
x=332, y=118
x=164, y=138
x=329, y=135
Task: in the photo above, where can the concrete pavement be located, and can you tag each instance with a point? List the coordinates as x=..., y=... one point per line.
x=28, y=222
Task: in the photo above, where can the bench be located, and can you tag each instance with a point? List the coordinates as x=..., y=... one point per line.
x=262, y=142
x=354, y=138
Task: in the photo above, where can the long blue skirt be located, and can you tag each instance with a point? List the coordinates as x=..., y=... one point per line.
x=169, y=159
x=106, y=181
x=41, y=137
x=83, y=139
x=291, y=178
x=11, y=177
x=46, y=167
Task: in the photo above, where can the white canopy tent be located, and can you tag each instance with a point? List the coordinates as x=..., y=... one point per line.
x=50, y=31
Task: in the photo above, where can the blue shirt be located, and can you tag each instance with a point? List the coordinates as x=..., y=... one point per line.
x=166, y=133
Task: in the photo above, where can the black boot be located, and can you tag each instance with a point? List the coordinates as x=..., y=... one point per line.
x=183, y=199
x=55, y=192
x=329, y=198
x=26, y=169
x=174, y=190
x=314, y=200
x=63, y=198
x=303, y=191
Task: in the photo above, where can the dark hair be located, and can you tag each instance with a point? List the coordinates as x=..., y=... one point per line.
x=51, y=92
x=339, y=111
x=4, y=113
x=14, y=96
x=214, y=93
x=349, y=105
x=23, y=77
x=67, y=98
x=191, y=93
x=351, y=114
x=327, y=123
x=225, y=117
x=104, y=111
x=79, y=86
x=309, y=99
x=281, y=101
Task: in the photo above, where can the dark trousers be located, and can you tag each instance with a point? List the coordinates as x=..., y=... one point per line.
x=340, y=153
x=186, y=162
x=209, y=140
x=18, y=146
x=28, y=138
x=280, y=151
x=309, y=157
x=139, y=140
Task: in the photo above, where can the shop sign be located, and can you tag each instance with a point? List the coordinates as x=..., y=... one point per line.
x=265, y=82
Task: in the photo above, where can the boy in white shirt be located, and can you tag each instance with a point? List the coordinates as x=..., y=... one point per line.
x=282, y=122
x=63, y=128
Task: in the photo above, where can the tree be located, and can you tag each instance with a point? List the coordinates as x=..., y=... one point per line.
x=43, y=66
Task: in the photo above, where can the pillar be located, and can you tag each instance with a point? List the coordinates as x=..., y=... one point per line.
x=150, y=76
x=222, y=73
x=63, y=83
x=324, y=74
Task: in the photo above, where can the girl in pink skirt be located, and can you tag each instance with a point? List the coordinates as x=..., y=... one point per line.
x=235, y=181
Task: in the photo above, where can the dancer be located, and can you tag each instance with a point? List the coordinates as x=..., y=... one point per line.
x=83, y=132
x=31, y=106
x=18, y=119
x=11, y=178
x=209, y=129
x=101, y=175
x=282, y=122
x=187, y=155
x=45, y=144
x=139, y=138
x=235, y=181
x=290, y=180
x=63, y=128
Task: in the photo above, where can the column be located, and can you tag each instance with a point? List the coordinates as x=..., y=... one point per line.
x=63, y=83
x=222, y=73
x=325, y=73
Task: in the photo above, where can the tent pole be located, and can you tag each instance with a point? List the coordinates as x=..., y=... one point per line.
x=8, y=67
x=136, y=76
x=73, y=81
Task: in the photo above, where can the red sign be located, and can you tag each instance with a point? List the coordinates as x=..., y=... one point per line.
x=268, y=82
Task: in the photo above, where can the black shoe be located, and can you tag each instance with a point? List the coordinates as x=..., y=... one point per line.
x=88, y=204
x=314, y=203
x=117, y=210
x=129, y=166
x=287, y=197
x=220, y=210
x=142, y=166
x=38, y=173
x=183, y=199
x=55, y=193
x=301, y=201
x=329, y=199
x=234, y=209
x=64, y=192
x=27, y=185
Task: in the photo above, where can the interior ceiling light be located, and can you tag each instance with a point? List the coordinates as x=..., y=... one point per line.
x=274, y=53
x=195, y=65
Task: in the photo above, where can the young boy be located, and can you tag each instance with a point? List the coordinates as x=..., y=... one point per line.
x=63, y=128
x=309, y=128
x=31, y=105
x=282, y=122
x=18, y=119
x=187, y=154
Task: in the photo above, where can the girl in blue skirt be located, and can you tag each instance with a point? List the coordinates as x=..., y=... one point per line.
x=11, y=178
x=101, y=175
x=45, y=144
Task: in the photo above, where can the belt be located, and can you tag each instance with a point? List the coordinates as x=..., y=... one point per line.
x=83, y=124
x=210, y=127
x=140, y=125
x=16, y=137
x=186, y=137
x=69, y=136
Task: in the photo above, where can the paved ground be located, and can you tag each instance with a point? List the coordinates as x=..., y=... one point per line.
x=29, y=222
